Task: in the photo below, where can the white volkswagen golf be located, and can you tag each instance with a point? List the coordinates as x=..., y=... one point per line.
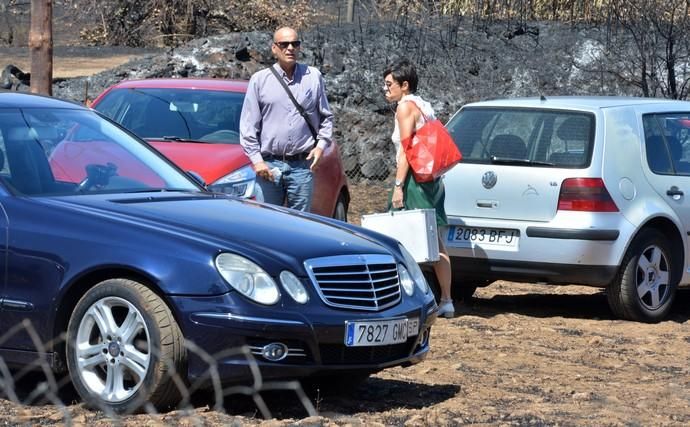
x=574, y=190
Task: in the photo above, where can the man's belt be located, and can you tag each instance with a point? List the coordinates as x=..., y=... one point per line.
x=286, y=157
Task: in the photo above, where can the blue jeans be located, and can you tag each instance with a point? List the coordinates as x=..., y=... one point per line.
x=294, y=189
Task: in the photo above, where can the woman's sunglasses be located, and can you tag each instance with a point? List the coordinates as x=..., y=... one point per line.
x=284, y=45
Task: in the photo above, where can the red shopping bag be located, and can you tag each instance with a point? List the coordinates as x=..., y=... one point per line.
x=431, y=151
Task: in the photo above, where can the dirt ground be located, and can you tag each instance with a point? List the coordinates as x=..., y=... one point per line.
x=516, y=354
x=72, y=61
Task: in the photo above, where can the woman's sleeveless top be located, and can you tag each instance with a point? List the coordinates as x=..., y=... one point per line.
x=424, y=106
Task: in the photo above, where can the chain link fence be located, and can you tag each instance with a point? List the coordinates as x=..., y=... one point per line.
x=37, y=384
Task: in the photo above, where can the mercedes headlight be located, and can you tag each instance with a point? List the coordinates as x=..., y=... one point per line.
x=414, y=270
x=406, y=280
x=247, y=278
x=294, y=287
x=239, y=183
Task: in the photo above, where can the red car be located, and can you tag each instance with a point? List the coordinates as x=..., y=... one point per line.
x=195, y=123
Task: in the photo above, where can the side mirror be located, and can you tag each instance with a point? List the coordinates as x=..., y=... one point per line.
x=196, y=177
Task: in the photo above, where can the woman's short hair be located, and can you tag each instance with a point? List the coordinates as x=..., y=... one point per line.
x=403, y=71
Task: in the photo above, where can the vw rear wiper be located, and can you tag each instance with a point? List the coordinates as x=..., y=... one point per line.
x=509, y=161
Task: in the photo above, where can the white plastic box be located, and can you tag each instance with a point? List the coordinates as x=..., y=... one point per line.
x=416, y=229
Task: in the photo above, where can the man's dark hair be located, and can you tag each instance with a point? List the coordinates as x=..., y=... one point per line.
x=403, y=71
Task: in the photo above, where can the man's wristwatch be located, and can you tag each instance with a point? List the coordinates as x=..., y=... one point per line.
x=398, y=183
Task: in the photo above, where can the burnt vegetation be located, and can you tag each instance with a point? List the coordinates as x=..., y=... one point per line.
x=466, y=50
x=646, y=43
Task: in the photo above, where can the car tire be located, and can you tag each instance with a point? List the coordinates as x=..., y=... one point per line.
x=125, y=349
x=630, y=295
x=340, y=211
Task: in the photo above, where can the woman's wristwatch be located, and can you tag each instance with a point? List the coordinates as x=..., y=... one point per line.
x=398, y=183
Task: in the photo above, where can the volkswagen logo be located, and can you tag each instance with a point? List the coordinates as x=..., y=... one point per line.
x=489, y=180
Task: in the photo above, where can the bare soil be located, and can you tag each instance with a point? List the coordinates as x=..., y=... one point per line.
x=516, y=354
x=367, y=199
x=72, y=61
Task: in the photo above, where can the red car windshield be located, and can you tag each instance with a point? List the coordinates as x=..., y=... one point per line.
x=176, y=114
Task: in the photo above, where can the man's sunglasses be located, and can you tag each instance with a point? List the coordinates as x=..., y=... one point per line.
x=284, y=45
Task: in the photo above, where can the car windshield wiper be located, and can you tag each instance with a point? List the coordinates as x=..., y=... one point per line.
x=161, y=190
x=175, y=139
x=509, y=161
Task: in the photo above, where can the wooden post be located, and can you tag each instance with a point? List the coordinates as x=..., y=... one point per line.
x=350, y=10
x=41, y=46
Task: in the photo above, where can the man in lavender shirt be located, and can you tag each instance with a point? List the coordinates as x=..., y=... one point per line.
x=274, y=135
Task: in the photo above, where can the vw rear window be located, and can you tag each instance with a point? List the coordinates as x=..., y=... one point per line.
x=528, y=137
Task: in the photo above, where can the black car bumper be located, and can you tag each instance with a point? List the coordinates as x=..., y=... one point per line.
x=484, y=269
x=225, y=345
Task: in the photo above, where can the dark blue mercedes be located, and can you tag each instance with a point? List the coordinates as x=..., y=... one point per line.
x=121, y=270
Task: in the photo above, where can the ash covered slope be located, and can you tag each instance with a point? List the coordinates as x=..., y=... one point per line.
x=456, y=65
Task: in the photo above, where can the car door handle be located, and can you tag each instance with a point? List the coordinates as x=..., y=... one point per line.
x=674, y=191
x=487, y=204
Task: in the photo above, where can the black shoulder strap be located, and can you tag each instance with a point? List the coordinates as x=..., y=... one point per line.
x=294, y=101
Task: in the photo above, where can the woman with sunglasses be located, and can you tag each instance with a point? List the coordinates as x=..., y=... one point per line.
x=400, y=85
x=285, y=125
